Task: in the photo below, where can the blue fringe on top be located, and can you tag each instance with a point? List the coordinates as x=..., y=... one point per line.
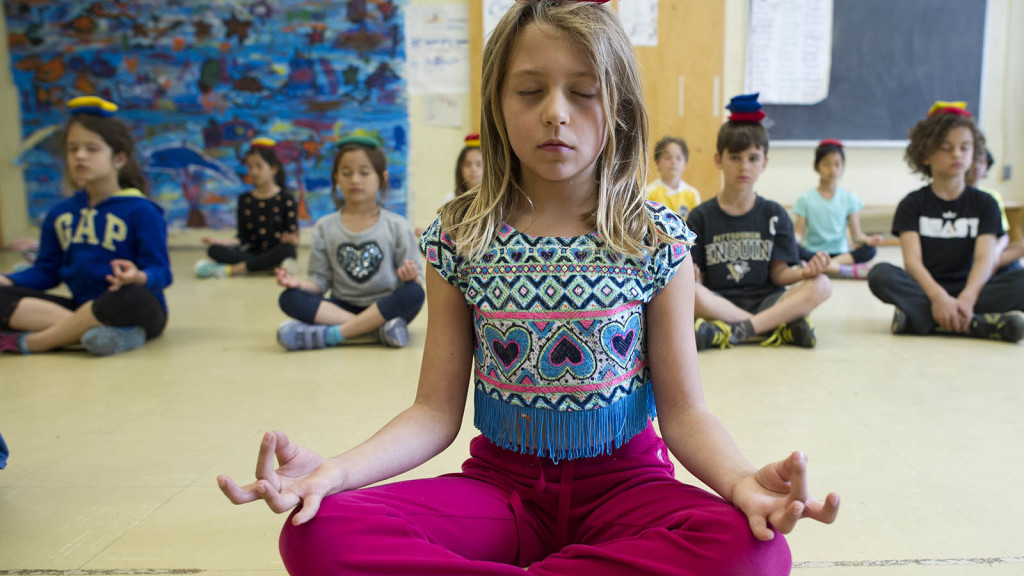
x=564, y=435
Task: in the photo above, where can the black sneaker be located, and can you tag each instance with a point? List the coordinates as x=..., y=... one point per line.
x=900, y=323
x=798, y=333
x=712, y=333
x=1006, y=326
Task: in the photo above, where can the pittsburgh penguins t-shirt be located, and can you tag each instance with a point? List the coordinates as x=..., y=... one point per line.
x=948, y=229
x=735, y=252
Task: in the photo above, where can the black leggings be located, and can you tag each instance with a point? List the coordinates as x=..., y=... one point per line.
x=404, y=302
x=862, y=253
x=127, y=306
x=254, y=261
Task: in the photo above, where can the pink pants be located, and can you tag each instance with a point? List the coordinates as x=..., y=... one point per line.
x=619, y=514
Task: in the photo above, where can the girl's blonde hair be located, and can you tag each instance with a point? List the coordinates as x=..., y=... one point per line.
x=620, y=218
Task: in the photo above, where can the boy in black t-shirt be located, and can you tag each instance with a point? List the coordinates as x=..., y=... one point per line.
x=746, y=251
x=948, y=232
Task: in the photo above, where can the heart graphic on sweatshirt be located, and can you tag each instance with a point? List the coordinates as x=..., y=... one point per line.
x=360, y=261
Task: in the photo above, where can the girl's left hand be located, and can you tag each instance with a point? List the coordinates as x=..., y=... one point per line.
x=408, y=271
x=776, y=496
x=124, y=272
x=289, y=238
x=875, y=240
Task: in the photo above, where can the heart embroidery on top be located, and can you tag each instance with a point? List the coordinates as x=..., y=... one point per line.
x=565, y=353
x=360, y=261
x=510, y=348
x=620, y=340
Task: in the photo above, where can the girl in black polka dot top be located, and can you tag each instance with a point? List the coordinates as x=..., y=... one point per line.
x=268, y=230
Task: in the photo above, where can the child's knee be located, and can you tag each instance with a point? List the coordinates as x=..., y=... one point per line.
x=727, y=537
x=879, y=276
x=348, y=532
x=293, y=302
x=820, y=288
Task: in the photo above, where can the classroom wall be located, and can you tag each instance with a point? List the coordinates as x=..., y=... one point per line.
x=434, y=150
x=879, y=175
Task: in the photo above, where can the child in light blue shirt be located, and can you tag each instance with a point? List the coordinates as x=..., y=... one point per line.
x=824, y=213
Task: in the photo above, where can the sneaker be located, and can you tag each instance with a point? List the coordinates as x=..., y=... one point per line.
x=712, y=333
x=900, y=323
x=210, y=269
x=1006, y=326
x=108, y=340
x=13, y=342
x=798, y=333
x=394, y=333
x=291, y=265
x=295, y=335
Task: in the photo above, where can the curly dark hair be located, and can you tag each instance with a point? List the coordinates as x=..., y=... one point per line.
x=928, y=135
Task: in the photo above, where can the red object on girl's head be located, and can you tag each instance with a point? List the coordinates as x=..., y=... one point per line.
x=951, y=110
x=830, y=142
x=747, y=117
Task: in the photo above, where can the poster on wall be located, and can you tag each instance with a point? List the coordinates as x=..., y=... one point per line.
x=437, y=42
x=196, y=80
x=493, y=11
x=640, y=20
x=789, y=50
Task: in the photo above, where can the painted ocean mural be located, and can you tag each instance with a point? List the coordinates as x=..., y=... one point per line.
x=197, y=80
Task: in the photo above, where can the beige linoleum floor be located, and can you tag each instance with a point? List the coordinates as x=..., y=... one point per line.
x=114, y=460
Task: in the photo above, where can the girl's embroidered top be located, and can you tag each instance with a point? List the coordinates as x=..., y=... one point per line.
x=560, y=362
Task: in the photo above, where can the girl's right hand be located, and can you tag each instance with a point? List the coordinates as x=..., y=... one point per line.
x=211, y=241
x=301, y=477
x=285, y=278
x=5, y=281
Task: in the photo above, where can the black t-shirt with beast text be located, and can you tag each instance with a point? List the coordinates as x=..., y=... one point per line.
x=948, y=229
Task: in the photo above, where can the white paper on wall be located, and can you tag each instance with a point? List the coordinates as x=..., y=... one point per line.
x=443, y=110
x=789, y=50
x=437, y=49
x=493, y=11
x=640, y=20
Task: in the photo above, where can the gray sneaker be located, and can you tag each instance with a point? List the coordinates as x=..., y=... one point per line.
x=295, y=335
x=394, y=333
x=108, y=340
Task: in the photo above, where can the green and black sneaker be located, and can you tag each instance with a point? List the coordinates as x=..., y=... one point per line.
x=712, y=333
x=799, y=332
x=1005, y=326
